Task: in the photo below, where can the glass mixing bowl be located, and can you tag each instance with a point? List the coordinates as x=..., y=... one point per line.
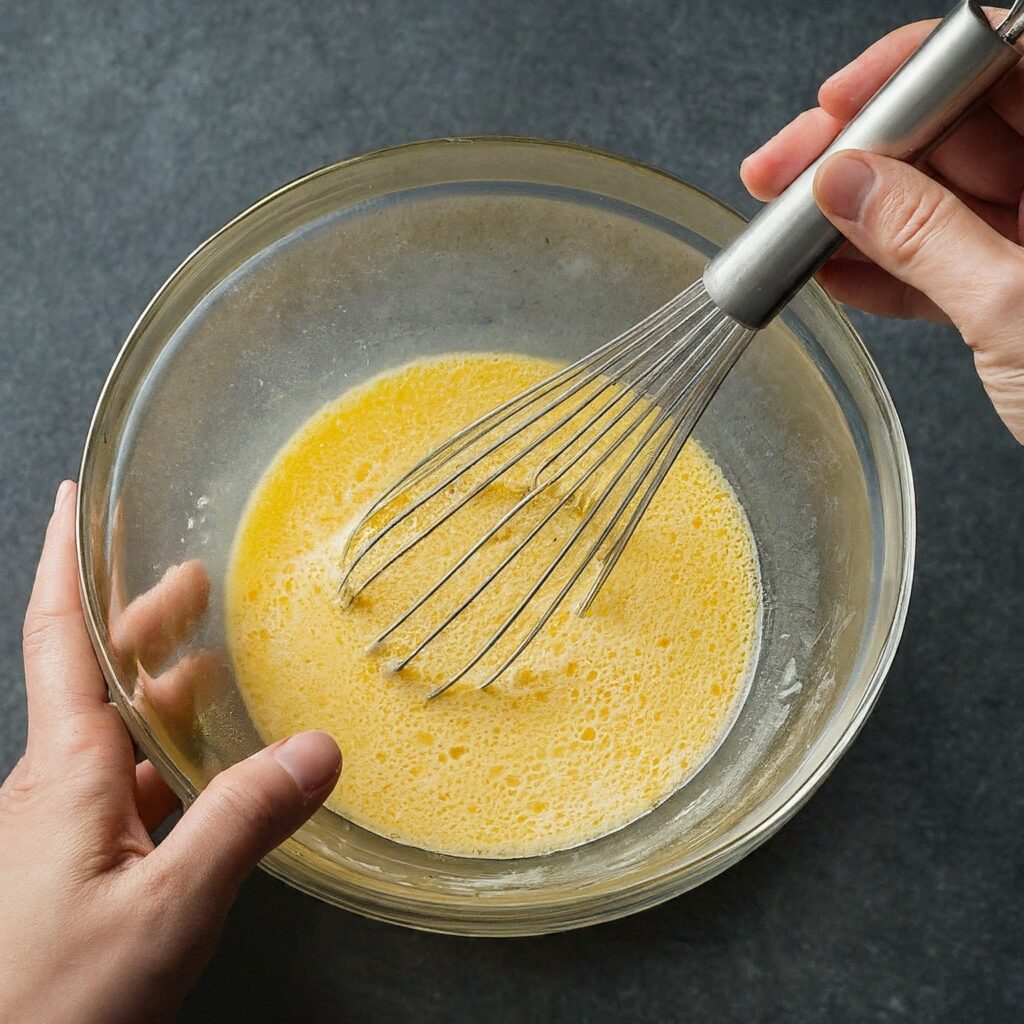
x=489, y=244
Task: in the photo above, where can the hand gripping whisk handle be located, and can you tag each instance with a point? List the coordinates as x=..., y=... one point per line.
x=754, y=276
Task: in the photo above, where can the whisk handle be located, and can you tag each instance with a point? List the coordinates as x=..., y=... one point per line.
x=754, y=276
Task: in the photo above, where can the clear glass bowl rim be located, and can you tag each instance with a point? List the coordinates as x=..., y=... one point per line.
x=541, y=916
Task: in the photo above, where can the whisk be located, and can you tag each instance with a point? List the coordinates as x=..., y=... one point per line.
x=600, y=436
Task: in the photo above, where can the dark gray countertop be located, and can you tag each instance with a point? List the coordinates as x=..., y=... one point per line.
x=132, y=131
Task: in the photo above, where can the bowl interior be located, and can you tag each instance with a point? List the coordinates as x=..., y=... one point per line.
x=495, y=245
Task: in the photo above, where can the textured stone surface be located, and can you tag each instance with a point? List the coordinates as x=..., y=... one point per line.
x=131, y=131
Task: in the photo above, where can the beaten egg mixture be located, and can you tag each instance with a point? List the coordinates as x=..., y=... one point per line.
x=601, y=719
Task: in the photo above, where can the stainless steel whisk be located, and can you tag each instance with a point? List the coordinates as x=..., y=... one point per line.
x=602, y=434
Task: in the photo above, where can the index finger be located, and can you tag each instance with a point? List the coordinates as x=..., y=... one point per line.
x=67, y=697
x=995, y=131
x=845, y=93
x=773, y=167
x=851, y=87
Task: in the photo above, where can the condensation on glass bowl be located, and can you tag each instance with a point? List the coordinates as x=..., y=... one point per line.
x=497, y=244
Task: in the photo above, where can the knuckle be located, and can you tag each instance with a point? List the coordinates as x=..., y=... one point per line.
x=38, y=630
x=45, y=629
x=1007, y=290
x=251, y=806
x=997, y=297
x=163, y=894
x=19, y=789
x=94, y=760
x=913, y=224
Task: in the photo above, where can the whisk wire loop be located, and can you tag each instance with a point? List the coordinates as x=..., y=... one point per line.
x=672, y=315
x=717, y=368
x=672, y=441
x=663, y=414
x=617, y=418
x=635, y=397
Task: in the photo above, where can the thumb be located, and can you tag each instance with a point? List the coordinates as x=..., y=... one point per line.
x=922, y=234
x=244, y=813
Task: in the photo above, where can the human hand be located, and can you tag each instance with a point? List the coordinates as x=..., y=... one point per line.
x=941, y=243
x=98, y=925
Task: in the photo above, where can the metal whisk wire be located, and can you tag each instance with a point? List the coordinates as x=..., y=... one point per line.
x=536, y=488
x=585, y=371
x=653, y=380
x=685, y=412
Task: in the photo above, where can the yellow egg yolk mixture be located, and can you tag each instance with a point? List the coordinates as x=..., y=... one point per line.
x=603, y=716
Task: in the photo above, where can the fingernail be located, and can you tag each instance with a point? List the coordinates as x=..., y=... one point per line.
x=312, y=759
x=63, y=493
x=843, y=185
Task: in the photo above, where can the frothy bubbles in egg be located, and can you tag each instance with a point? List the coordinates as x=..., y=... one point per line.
x=600, y=719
